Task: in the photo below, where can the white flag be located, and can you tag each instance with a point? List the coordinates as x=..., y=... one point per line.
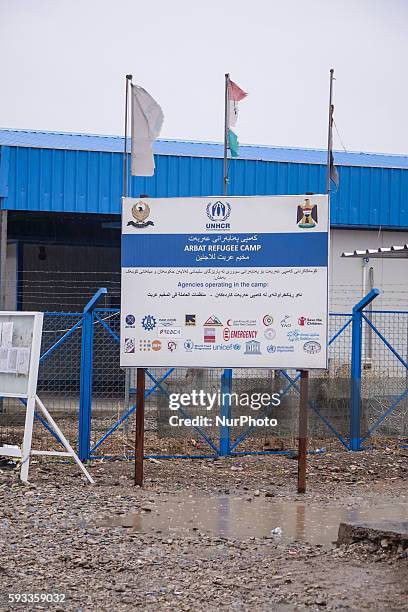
x=147, y=120
x=233, y=113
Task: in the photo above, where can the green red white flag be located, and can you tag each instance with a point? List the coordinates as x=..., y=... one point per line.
x=235, y=95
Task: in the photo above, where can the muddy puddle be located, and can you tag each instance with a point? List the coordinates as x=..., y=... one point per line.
x=238, y=518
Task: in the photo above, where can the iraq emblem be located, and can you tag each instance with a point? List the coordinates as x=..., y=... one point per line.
x=140, y=212
x=307, y=215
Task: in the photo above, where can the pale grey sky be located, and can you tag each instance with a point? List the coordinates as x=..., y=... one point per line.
x=63, y=64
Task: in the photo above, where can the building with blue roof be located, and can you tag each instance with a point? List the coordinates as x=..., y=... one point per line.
x=62, y=195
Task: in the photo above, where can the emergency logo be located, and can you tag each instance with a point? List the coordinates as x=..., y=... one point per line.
x=229, y=334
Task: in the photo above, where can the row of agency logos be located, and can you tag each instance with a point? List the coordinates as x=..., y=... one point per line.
x=173, y=327
x=251, y=347
x=218, y=214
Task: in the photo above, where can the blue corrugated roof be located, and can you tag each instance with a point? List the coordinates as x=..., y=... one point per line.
x=114, y=144
x=46, y=171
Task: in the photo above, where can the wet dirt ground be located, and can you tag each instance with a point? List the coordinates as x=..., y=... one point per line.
x=204, y=535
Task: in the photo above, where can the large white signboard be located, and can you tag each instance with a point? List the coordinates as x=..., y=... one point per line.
x=225, y=282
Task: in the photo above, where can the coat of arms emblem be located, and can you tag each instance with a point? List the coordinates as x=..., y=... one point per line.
x=307, y=214
x=140, y=212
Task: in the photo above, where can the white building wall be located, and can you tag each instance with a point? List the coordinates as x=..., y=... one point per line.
x=390, y=276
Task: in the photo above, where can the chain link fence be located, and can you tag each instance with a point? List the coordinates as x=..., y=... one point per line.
x=117, y=400
x=384, y=375
x=383, y=391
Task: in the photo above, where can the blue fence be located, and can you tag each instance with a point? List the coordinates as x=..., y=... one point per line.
x=93, y=399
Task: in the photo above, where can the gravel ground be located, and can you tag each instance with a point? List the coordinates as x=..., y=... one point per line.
x=52, y=538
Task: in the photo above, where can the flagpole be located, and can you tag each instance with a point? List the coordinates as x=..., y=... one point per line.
x=226, y=378
x=226, y=135
x=129, y=77
x=330, y=132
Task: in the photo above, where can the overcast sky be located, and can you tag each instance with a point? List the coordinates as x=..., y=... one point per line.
x=63, y=64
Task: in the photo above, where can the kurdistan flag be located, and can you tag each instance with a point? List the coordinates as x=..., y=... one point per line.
x=235, y=95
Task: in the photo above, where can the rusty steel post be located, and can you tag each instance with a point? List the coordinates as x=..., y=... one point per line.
x=139, y=437
x=302, y=448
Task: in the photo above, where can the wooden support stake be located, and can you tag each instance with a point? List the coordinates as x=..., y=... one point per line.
x=302, y=448
x=139, y=439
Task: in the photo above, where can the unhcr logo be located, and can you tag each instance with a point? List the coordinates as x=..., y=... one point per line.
x=218, y=212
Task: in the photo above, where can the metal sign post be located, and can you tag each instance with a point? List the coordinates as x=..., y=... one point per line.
x=302, y=440
x=139, y=436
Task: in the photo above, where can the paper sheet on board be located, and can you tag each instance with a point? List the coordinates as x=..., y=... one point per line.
x=7, y=334
x=12, y=360
x=23, y=360
x=3, y=359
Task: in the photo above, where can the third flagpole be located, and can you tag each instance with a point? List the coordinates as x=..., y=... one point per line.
x=330, y=133
x=226, y=135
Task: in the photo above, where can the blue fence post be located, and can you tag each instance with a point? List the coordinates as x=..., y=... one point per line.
x=225, y=411
x=85, y=390
x=356, y=359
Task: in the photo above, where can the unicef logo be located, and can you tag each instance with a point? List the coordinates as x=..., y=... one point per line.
x=219, y=211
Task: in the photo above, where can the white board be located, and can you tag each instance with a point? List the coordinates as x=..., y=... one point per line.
x=20, y=336
x=225, y=282
x=20, y=345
